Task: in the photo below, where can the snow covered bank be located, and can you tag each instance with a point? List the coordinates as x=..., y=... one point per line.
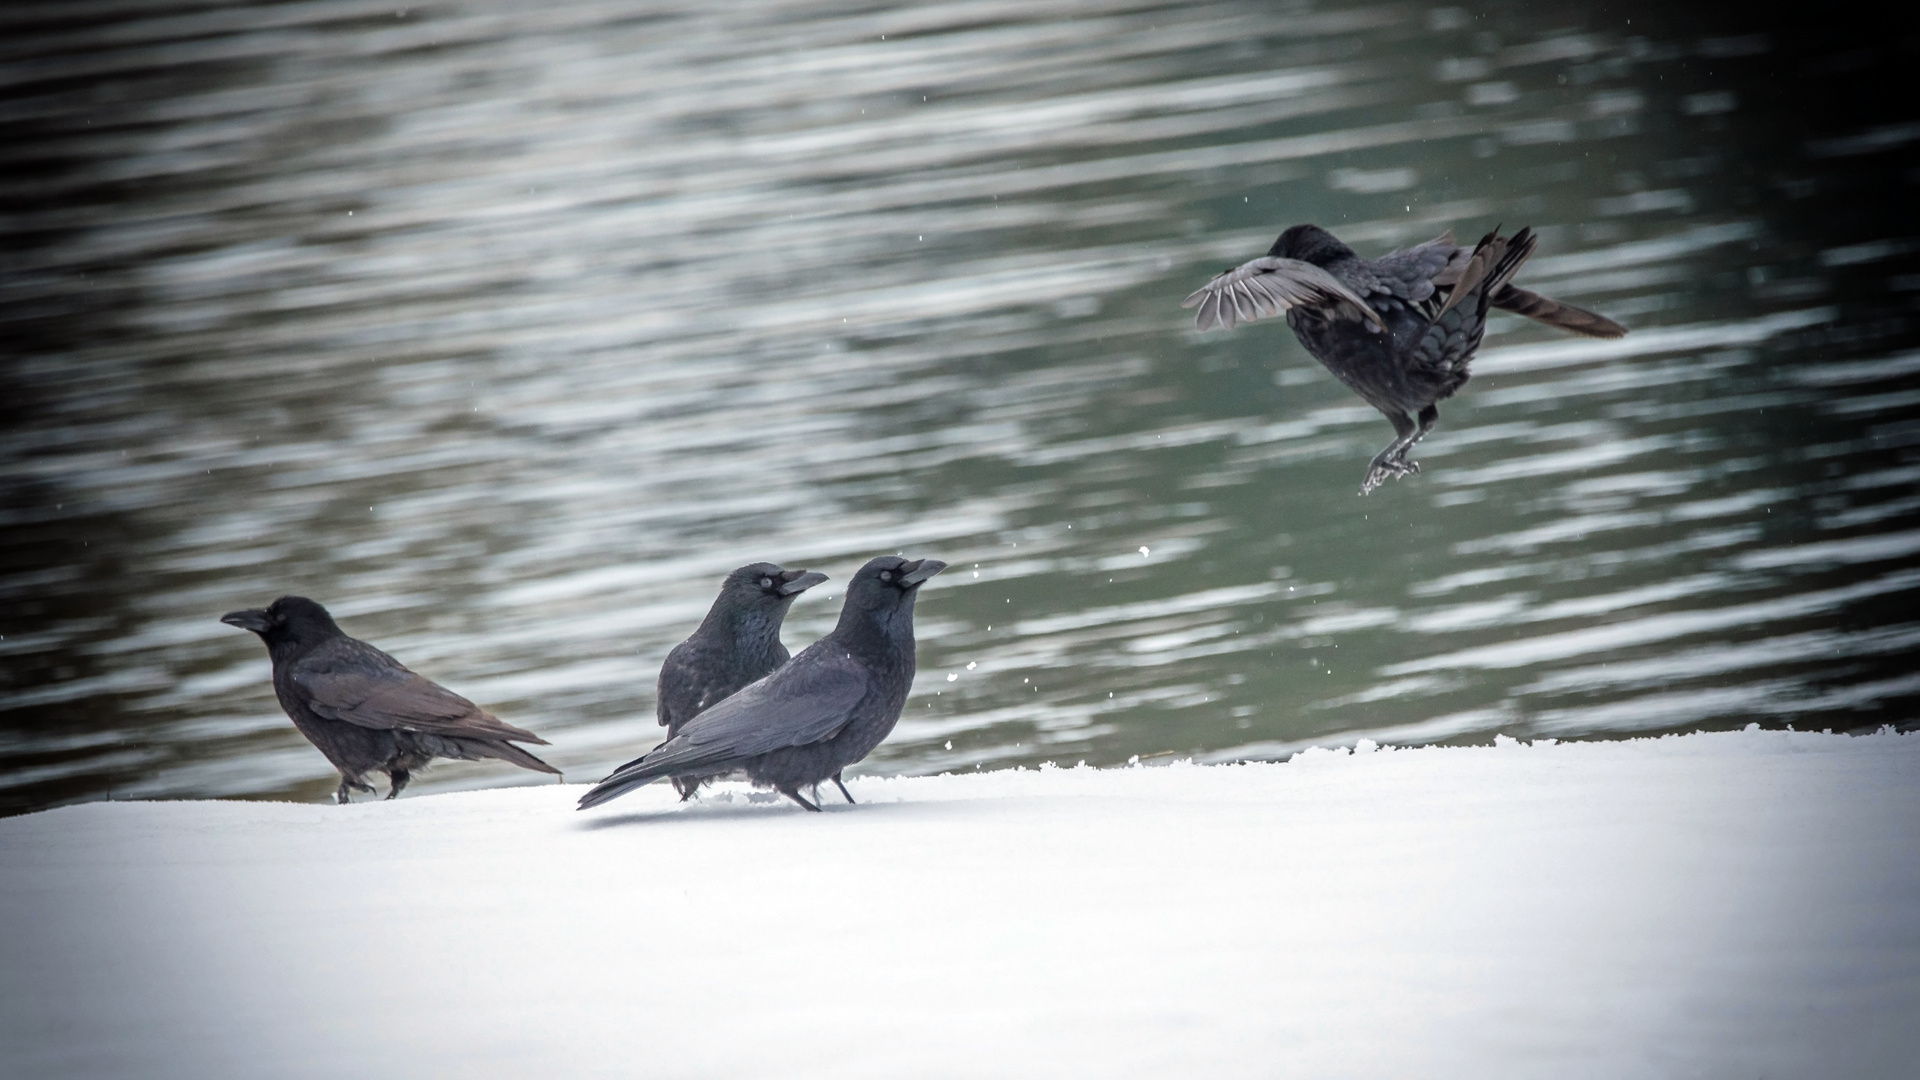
x=1718, y=905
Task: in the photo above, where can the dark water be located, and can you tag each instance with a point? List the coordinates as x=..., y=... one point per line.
x=505, y=329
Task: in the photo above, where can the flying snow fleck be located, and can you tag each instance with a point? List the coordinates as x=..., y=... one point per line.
x=1143, y=551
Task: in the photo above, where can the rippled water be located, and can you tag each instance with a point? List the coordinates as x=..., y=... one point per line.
x=506, y=329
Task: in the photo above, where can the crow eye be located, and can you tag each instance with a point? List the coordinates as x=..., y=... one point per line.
x=766, y=583
x=886, y=575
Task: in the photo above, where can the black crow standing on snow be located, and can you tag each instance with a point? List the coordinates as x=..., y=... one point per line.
x=366, y=711
x=822, y=711
x=1399, y=330
x=738, y=642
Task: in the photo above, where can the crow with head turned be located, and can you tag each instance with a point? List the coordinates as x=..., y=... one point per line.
x=820, y=712
x=1398, y=330
x=363, y=709
x=738, y=642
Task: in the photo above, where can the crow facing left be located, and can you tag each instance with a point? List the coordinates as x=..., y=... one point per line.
x=363, y=709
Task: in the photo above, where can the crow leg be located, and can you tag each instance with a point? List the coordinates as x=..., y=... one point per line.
x=399, y=778
x=1429, y=416
x=801, y=799
x=348, y=783
x=685, y=785
x=1391, y=463
x=842, y=787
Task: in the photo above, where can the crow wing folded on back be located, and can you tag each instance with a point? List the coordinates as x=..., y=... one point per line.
x=1270, y=286
x=354, y=682
x=795, y=706
x=805, y=702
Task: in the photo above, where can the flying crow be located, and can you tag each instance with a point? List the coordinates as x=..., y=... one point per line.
x=1399, y=330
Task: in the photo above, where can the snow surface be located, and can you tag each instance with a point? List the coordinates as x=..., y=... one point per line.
x=1737, y=904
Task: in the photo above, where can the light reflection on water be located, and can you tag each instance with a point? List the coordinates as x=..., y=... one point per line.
x=505, y=331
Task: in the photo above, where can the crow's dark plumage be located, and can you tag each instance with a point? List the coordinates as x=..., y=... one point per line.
x=738, y=642
x=1398, y=330
x=366, y=711
x=820, y=712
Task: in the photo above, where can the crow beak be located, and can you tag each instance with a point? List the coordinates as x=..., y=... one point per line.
x=253, y=619
x=916, y=573
x=801, y=581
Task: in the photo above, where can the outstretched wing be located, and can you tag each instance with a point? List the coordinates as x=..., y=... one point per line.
x=1269, y=286
x=807, y=701
x=352, y=681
